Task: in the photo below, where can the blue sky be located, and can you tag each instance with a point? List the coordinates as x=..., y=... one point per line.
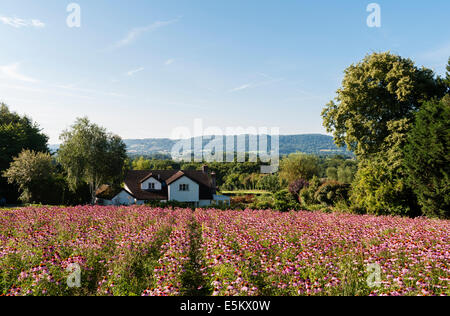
x=141, y=68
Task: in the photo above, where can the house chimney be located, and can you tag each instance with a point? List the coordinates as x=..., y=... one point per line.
x=213, y=183
x=205, y=169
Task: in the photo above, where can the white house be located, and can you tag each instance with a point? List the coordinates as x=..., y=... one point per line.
x=189, y=186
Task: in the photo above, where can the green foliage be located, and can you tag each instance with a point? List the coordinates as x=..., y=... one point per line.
x=191, y=166
x=33, y=173
x=263, y=202
x=296, y=186
x=41, y=181
x=284, y=201
x=270, y=182
x=232, y=182
x=338, y=168
x=372, y=115
x=59, y=192
x=380, y=90
x=134, y=273
x=141, y=164
x=346, y=174
x=381, y=190
x=307, y=195
x=299, y=166
x=90, y=155
x=331, y=192
x=380, y=185
x=251, y=182
x=427, y=158
x=332, y=173
x=193, y=283
x=16, y=134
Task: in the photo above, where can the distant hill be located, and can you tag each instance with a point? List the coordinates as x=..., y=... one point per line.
x=309, y=143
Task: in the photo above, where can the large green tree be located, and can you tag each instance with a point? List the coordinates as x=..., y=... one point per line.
x=373, y=113
x=381, y=89
x=299, y=166
x=33, y=173
x=91, y=155
x=16, y=134
x=427, y=158
x=380, y=185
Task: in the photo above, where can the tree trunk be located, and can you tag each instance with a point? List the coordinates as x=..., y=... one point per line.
x=92, y=189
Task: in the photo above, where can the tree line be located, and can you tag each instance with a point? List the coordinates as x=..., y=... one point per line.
x=393, y=115
x=88, y=157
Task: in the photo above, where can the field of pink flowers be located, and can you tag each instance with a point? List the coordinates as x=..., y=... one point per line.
x=148, y=251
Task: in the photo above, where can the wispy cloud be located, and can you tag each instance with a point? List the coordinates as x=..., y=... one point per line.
x=269, y=80
x=37, y=23
x=12, y=71
x=19, y=23
x=243, y=87
x=135, y=71
x=169, y=62
x=138, y=31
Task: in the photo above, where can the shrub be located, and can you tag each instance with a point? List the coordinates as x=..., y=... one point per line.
x=331, y=192
x=284, y=201
x=242, y=201
x=380, y=191
x=269, y=183
x=263, y=202
x=307, y=194
x=246, y=199
x=296, y=186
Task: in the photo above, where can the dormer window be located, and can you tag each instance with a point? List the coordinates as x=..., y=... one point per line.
x=184, y=187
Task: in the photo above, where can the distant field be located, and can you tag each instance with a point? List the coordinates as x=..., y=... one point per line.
x=159, y=252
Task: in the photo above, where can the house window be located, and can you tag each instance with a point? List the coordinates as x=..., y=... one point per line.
x=184, y=187
x=151, y=186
